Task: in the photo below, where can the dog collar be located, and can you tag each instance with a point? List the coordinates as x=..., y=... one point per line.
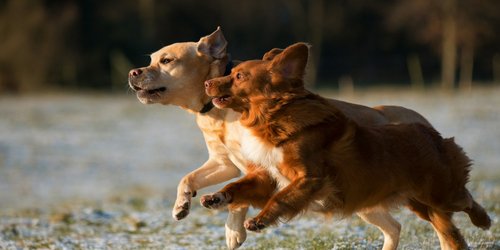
x=229, y=66
x=207, y=107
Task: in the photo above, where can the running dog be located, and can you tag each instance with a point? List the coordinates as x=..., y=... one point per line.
x=318, y=158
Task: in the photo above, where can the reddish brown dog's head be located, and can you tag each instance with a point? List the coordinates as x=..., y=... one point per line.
x=260, y=79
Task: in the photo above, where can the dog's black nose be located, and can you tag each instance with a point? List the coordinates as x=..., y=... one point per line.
x=135, y=72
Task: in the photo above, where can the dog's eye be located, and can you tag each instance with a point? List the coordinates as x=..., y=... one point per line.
x=239, y=76
x=166, y=60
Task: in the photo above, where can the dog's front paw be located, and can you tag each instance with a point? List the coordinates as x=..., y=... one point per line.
x=215, y=201
x=182, y=205
x=254, y=224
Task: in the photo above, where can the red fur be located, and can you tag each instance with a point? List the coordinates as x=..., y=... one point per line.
x=329, y=157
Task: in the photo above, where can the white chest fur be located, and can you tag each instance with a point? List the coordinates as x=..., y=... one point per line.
x=263, y=155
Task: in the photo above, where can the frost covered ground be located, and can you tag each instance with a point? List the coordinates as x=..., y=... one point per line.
x=100, y=172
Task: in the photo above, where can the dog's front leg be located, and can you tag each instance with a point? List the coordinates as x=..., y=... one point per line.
x=236, y=234
x=210, y=173
x=287, y=203
x=381, y=218
x=255, y=189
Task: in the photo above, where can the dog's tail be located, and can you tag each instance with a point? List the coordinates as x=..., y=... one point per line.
x=478, y=216
x=460, y=167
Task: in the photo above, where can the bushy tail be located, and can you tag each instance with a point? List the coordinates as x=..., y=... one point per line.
x=478, y=216
x=461, y=168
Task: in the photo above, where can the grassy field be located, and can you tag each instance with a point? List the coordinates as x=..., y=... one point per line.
x=99, y=172
x=145, y=223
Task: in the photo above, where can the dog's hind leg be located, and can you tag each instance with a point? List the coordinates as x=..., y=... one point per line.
x=421, y=210
x=384, y=221
x=449, y=235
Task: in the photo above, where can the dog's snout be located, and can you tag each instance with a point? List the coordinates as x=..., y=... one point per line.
x=135, y=72
x=218, y=82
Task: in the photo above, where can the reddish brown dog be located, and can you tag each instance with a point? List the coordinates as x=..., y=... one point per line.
x=318, y=157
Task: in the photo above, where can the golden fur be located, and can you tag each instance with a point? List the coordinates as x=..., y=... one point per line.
x=332, y=160
x=175, y=76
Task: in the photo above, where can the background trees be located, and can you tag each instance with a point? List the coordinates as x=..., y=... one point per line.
x=92, y=44
x=455, y=28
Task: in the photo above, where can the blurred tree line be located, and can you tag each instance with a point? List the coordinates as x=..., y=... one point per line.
x=90, y=44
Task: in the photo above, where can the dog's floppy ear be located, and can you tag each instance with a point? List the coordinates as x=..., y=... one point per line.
x=291, y=63
x=213, y=45
x=270, y=55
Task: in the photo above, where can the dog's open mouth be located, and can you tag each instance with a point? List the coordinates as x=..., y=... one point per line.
x=142, y=91
x=222, y=101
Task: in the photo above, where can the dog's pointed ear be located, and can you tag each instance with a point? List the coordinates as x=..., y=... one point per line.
x=270, y=55
x=291, y=63
x=213, y=45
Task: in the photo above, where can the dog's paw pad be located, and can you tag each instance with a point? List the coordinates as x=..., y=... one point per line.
x=185, y=206
x=180, y=212
x=254, y=225
x=214, y=200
